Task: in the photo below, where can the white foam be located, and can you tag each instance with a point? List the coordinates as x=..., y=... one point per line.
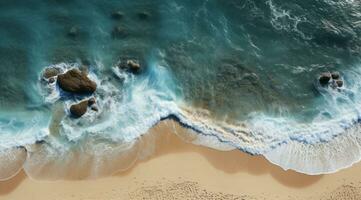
x=323, y=145
x=22, y=128
x=87, y=159
x=320, y=158
x=283, y=20
x=124, y=112
x=127, y=112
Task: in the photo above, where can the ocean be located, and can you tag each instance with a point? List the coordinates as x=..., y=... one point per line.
x=238, y=74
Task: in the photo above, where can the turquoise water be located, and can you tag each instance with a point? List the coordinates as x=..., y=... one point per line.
x=240, y=74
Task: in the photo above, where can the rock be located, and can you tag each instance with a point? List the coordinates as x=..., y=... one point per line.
x=78, y=110
x=51, y=72
x=76, y=82
x=119, y=32
x=339, y=83
x=133, y=65
x=117, y=15
x=73, y=31
x=91, y=101
x=94, y=108
x=143, y=15
x=51, y=80
x=335, y=75
x=325, y=78
x=40, y=142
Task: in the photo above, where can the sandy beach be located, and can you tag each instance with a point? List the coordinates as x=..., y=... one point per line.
x=180, y=170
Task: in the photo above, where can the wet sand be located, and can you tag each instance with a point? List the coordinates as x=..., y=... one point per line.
x=179, y=170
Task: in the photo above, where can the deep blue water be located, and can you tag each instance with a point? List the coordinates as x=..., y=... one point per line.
x=241, y=73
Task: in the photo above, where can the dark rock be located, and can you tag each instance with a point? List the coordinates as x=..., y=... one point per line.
x=91, y=101
x=133, y=65
x=51, y=72
x=76, y=82
x=51, y=80
x=339, y=83
x=325, y=78
x=78, y=110
x=117, y=15
x=73, y=31
x=94, y=108
x=335, y=75
x=40, y=142
x=143, y=15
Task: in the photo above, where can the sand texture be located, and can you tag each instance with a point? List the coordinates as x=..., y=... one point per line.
x=174, y=169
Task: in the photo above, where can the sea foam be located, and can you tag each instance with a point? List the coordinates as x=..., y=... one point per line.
x=130, y=105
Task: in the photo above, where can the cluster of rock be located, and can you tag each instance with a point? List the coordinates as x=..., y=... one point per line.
x=118, y=31
x=118, y=15
x=331, y=79
x=74, y=81
x=130, y=64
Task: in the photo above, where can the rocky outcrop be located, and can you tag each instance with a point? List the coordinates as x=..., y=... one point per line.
x=334, y=79
x=94, y=108
x=133, y=65
x=335, y=75
x=51, y=72
x=325, y=78
x=91, y=101
x=79, y=109
x=51, y=80
x=75, y=81
x=339, y=83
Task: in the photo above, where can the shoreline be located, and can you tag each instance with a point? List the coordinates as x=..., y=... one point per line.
x=186, y=171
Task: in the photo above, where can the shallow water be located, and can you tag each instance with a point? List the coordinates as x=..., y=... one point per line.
x=241, y=74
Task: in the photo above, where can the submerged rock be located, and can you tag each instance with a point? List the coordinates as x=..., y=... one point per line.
x=117, y=15
x=133, y=65
x=51, y=72
x=335, y=75
x=75, y=81
x=339, y=83
x=130, y=64
x=73, y=31
x=91, y=101
x=143, y=15
x=94, y=108
x=78, y=110
x=51, y=80
x=325, y=78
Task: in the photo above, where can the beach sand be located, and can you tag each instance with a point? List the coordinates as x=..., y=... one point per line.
x=180, y=170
